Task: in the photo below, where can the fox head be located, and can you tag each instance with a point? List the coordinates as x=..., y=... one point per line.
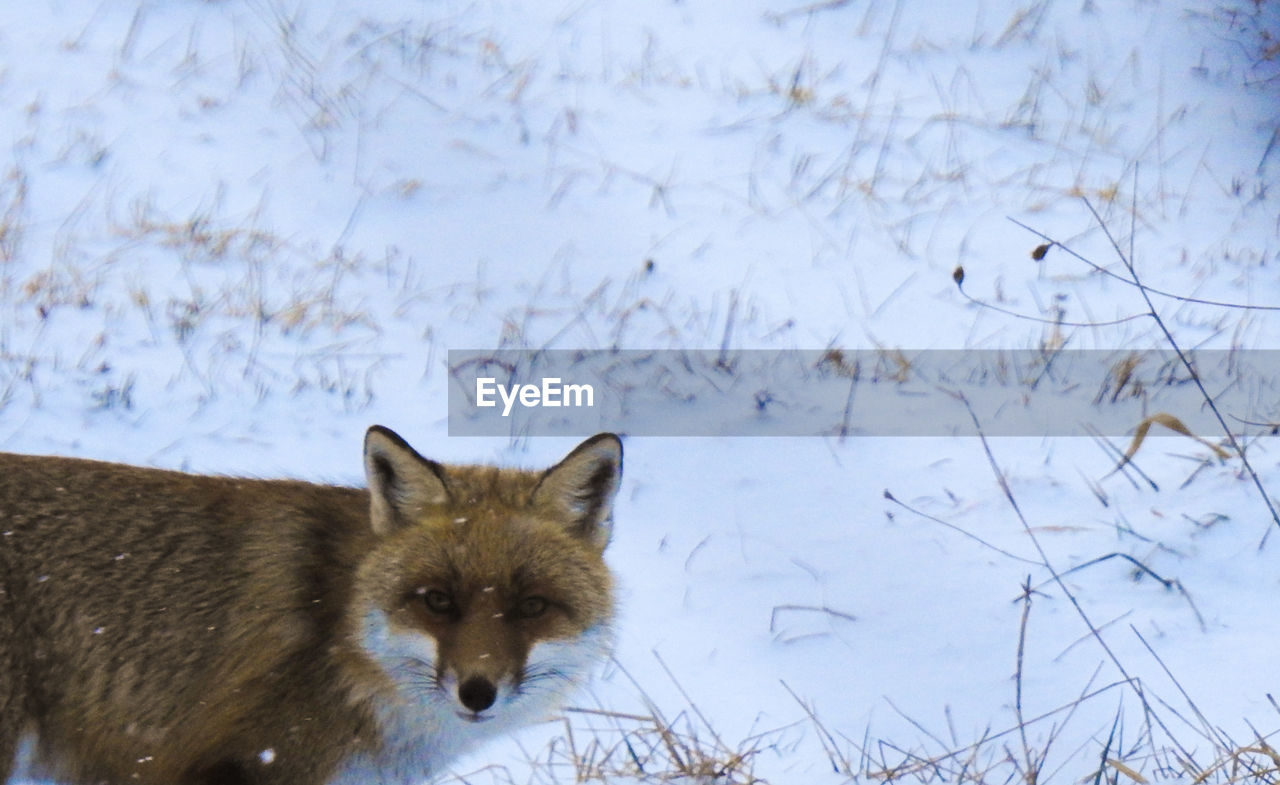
x=486, y=594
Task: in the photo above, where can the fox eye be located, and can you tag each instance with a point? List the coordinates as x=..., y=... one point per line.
x=531, y=607
x=438, y=601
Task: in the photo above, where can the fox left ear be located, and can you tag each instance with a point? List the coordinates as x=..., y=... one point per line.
x=402, y=484
x=580, y=489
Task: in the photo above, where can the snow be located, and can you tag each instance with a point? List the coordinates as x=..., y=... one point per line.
x=234, y=234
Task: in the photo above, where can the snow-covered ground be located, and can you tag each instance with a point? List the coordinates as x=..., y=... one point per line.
x=235, y=233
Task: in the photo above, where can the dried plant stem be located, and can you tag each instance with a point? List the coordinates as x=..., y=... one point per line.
x=1134, y=683
x=1195, y=377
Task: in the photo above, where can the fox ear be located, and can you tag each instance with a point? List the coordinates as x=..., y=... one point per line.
x=580, y=489
x=402, y=484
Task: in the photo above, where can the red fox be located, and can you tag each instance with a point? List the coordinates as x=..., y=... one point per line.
x=173, y=629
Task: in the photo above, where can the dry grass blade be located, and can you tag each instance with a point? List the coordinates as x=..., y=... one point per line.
x=773, y=617
x=1126, y=771
x=1173, y=424
x=13, y=201
x=1125, y=464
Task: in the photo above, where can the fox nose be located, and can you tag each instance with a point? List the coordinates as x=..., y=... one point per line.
x=477, y=693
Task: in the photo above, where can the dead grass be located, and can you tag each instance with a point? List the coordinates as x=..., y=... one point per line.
x=645, y=746
x=1258, y=24
x=291, y=296
x=605, y=746
x=13, y=203
x=649, y=748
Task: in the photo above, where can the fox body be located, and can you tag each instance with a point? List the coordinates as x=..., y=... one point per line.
x=173, y=629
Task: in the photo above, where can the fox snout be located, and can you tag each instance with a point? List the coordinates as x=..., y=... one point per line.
x=481, y=651
x=477, y=693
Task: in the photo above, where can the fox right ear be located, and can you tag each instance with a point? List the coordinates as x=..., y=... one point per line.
x=580, y=489
x=402, y=484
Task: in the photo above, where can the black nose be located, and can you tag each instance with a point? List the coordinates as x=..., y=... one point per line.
x=477, y=693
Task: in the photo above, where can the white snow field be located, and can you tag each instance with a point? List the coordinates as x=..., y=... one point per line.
x=235, y=233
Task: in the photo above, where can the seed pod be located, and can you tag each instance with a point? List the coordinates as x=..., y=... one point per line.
x=957, y=275
x=1040, y=251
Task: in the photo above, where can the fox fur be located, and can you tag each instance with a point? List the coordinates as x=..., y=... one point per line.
x=163, y=628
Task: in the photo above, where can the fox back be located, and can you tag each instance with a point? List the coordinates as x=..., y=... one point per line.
x=176, y=629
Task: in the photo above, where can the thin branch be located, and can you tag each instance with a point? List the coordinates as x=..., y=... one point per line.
x=1109, y=273
x=955, y=528
x=1041, y=319
x=1195, y=377
x=1032, y=774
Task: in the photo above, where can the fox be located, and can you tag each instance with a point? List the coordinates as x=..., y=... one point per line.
x=165, y=628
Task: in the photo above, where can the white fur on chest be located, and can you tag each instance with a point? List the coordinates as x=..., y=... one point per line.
x=416, y=749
